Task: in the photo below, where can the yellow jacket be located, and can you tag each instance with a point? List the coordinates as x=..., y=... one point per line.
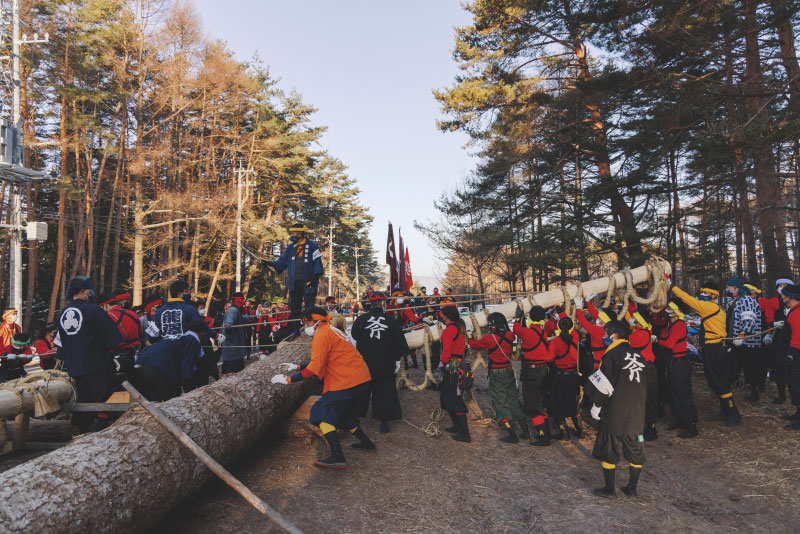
x=712, y=315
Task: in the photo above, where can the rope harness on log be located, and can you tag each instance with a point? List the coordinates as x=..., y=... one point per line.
x=36, y=384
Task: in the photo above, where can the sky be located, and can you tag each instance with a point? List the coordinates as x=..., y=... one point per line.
x=370, y=68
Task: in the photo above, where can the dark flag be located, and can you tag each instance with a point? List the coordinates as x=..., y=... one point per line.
x=391, y=258
x=401, y=262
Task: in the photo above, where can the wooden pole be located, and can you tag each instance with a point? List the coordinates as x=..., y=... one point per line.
x=212, y=464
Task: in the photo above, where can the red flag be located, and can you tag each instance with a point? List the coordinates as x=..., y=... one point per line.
x=401, y=271
x=391, y=258
x=409, y=279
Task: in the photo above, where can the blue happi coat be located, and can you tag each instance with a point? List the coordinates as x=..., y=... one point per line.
x=313, y=264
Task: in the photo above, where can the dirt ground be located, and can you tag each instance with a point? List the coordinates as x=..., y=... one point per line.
x=743, y=479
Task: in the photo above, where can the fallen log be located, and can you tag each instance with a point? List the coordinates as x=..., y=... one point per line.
x=58, y=430
x=22, y=401
x=128, y=476
x=599, y=286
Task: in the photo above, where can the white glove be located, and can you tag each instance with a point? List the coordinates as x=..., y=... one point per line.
x=288, y=367
x=220, y=338
x=738, y=342
x=441, y=365
x=654, y=338
x=595, y=412
x=578, y=302
x=590, y=296
x=11, y=357
x=768, y=339
x=778, y=324
x=279, y=379
x=397, y=367
x=429, y=321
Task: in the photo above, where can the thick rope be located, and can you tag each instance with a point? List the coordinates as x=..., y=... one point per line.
x=432, y=429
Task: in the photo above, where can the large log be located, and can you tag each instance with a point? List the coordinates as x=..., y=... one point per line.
x=59, y=430
x=128, y=476
x=553, y=297
x=9, y=401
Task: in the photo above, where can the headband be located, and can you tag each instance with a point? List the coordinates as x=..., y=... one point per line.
x=709, y=291
x=673, y=309
x=318, y=317
x=752, y=288
x=603, y=316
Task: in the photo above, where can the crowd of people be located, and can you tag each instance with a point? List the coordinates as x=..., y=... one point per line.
x=613, y=368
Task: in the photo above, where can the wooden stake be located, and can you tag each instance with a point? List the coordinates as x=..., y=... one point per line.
x=212, y=464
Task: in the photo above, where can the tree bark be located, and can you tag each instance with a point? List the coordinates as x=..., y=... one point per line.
x=138, y=465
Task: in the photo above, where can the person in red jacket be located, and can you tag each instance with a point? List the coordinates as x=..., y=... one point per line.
x=563, y=402
x=776, y=341
x=45, y=347
x=454, y=344
x=502, y=382
x=533, y=378
x=8, y=329
x=679, y=377
x=791, y=299
x=640, y=340
x=594, y=330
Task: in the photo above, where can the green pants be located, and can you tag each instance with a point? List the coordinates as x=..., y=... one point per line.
x=505, y=397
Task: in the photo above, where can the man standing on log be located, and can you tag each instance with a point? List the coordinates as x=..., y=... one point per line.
x=86, y=338
x=304, y=261
x=380, y=340
x=716, y=362
x=346, y=385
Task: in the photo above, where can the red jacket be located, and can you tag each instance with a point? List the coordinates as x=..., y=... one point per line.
x=769, y=307
x=677, y=339
x=640, y=341
x=534, y=343
x=128, y=325
x=596, y=335
x=499, y=348
x=565, y=355
x=7, y=331
x=453, y=343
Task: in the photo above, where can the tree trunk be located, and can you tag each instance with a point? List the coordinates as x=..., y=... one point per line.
x=138, y=465
x=783, y=25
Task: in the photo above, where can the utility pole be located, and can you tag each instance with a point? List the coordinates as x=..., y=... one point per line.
x=330, y=259
x=239, y=173
x=358, y=285
x=15, y=267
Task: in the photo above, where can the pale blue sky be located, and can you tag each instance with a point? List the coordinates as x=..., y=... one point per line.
x=369, y=66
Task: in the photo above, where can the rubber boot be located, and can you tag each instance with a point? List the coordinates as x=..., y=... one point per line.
x=364, y=443
x=414, y=362
x=633, y=480
x=753, y=397
x=677, y=425
x=463, y=427
x=384, y=427
x=732, y=415
x=609, y=490
x=542, y=435
x=524, y=431
x=564, y=433
x=559, y=430
x=650, y=432
x=721, y=415
x=781, y=398
x=512, y=433
x=690, y=432
x=576, y=422
x=336, y=459
x=452, y=429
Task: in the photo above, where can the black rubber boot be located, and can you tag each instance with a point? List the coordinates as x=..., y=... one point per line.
x=564, y=433
x=512, y=434
x=690, y=432
x=524, y=431
x=384, y=428
x=463, y=429
x=732, y=415
x=753, y=397
x=650, y=432
x=576, y=421
x=781, y=398
x=721, y=415
x=558, y=435
x=633, y=480
x=364, y=443
x=542, y=435
x=336, y=459
x=414, y=362
x=609, y=490
x=677, y=425
x=452, y=429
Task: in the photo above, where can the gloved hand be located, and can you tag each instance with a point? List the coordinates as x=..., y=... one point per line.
x=768, y=339
x=397, y=367
x=428, y=320
x=279, y=379
x=220, y=338
x=778, y=324
x=441, y=365
x=595, y=412
x=654, y=338
x=578, y=302
x=520, y=313
x=288, y=367
x=738, y=342
x=590, y=296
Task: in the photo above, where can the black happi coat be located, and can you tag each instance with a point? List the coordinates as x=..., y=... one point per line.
x=380, y=340
x=623, y=409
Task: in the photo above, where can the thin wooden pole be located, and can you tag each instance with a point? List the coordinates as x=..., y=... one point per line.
x=212, y=464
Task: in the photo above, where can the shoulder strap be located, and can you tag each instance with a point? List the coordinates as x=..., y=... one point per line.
x=541, y=340
x=569, y=347
x=707, y=317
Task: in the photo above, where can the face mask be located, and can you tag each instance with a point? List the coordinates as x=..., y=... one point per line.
x=728, y=293
x=294, y=239
x=311, y=330
x=607, y=341
x=400, y=301
x=599, y=322
x=706, y=298
x=201, y=311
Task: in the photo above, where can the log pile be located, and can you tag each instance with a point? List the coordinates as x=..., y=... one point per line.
x=128, y=476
